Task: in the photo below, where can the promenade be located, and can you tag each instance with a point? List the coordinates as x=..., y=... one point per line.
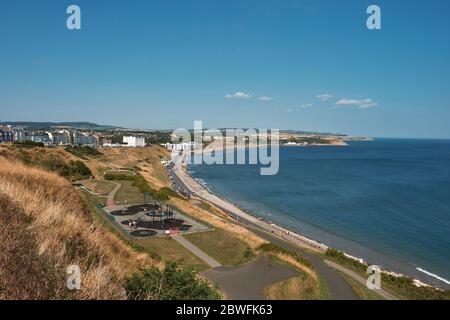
x=198, y=190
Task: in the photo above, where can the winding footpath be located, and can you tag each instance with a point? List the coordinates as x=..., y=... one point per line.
x=110, y=200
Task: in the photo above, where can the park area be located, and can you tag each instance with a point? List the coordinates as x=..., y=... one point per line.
x=152, y=219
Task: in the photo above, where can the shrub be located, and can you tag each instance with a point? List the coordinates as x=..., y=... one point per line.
x=119, y=176
x=79, y=168
x=83, y=151
x=74, y=169
x=29, y=144
x=139, y=182
x=404, y=284
x=173, y=283
x=164, y=193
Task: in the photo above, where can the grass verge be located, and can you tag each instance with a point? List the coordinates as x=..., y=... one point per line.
x=222, y=246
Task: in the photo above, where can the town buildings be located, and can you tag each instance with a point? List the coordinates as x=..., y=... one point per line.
x=134, y=141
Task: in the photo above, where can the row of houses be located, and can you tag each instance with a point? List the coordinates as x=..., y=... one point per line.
x=185, y=146
x=54, y=138
x=64, y=137
x=127, y=141
x=6, y=136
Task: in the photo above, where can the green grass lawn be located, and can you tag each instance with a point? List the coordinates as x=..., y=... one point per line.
x=92, y=200
x=170, y=250
x=400, y=287
x=222, y=246
x=128, y=193
x=99, y=186
x=126, y=172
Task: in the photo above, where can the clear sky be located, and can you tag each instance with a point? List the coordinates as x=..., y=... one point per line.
x=299, y=64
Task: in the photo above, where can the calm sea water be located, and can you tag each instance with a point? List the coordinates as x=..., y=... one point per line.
x=387, y=201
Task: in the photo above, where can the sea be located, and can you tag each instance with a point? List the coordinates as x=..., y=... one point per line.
x=386, y=201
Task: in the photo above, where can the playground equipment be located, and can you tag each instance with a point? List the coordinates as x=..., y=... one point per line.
x=161, y=213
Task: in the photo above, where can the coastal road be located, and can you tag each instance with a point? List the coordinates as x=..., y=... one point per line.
x=196, y=189
x=177, y=184
x=337, y=285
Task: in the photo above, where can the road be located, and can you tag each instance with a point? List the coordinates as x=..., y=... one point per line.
x=194, y=188
x=177, y=184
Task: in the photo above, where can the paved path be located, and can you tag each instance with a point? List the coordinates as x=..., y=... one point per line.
x=196, y=189
x=360, y=279
x=110, y=200
x=338, y=287
x=197, y=251
x=247, y=282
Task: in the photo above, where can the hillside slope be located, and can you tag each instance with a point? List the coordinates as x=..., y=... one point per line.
x=46, y=227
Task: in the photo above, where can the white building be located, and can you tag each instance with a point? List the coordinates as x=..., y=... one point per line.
x=185, y=146
x=132, y=141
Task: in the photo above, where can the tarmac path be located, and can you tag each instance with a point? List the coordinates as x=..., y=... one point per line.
x=247, y=282
x=360, y=279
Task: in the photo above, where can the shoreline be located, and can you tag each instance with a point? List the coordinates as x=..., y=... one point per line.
x=291, y=236
x=225, y=148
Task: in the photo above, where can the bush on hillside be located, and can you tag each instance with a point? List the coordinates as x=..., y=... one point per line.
x=143, y=186
x=83, y=151
x=173, y=283
x=74, y=169
x=164, y=193
x=29, y=144
x=119, y=176
x=139, y=182
x=404, y=285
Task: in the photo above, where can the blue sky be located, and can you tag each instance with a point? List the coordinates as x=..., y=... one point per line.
x=164, y=64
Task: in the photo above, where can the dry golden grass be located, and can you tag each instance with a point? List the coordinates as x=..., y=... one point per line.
x=63, y=230
x=99, y=186
x=251, y=239
x=297, y=288
x=289, y=259
x=35, y=155
x=145, y=160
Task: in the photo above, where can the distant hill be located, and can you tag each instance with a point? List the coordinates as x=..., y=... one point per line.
x=74, y=125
